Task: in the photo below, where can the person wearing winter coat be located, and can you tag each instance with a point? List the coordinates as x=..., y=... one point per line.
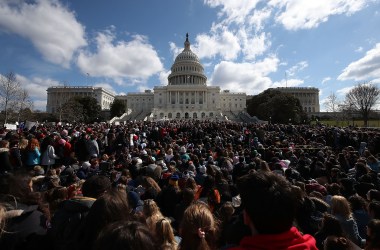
x=48, y=156
x=5, y=165
x=269, y=211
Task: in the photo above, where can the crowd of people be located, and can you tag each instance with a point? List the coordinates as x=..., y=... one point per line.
x=189, y=184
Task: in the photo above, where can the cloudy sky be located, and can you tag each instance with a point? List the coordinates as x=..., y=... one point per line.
x=244, y=45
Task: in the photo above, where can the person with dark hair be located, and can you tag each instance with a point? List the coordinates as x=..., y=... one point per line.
x=208, y=193
x=27, y=218
x=110, y=207
x=373, y=195
x=269, y=210
x=48, y=155
x=80, y=148
x=373, y=238
x=359, y=211
x=187, y=199
x=130, y=235
x=70, y=214
x=374, y=209
x=336, y=243
x=5, y=165
x=330, y=226
x=15, y=154
x=169, y=197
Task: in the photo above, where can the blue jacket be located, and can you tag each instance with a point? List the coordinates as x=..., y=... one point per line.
x=33, y=157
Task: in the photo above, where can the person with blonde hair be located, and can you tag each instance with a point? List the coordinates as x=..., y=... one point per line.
x=152, y=213
x=165, y=235
x=198, y=228
x=341, y=209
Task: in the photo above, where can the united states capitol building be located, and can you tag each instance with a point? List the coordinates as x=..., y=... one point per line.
x=186, y=96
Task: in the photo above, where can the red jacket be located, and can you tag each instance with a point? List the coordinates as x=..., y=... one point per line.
x=291, y=240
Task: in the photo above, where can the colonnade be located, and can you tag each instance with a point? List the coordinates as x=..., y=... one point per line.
x=187, y=97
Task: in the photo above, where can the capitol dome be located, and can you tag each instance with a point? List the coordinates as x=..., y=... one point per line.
x=186, y=68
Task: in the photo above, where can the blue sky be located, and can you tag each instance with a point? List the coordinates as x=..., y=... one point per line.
x=244, y=45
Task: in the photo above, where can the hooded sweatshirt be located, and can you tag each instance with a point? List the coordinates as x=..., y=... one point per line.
x=290, y=240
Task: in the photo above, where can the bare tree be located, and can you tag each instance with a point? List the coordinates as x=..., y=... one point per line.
x=9, y=92
x=362, y=98
x=332, y=103
x=24, y=103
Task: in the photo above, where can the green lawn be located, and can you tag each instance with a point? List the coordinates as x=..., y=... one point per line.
x=358, y=123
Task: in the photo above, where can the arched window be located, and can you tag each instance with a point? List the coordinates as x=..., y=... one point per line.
x=186, y=115
x=178, y=115
x=211, y=114
x=203, y=115
x=195, y=116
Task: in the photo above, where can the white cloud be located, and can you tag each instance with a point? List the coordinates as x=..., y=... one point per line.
x=163, y=77
x=255, y=45
x=225, y=44
x=303, y=14
x=259, y=17
x=135, y=59
x=344, y=91
x=366, y=68
x=326, y=79
x=52, y=28
x=174, y=49
x=36, y=88
x=296, y=68
x=233, y=11
x=251, y=78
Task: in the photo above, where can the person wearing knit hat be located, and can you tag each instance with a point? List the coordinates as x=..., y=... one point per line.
x=169, y=196
x=174, y=180
x=64, y=133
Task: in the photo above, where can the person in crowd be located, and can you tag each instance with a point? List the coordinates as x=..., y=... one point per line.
x=69, y=218
x=32, y=154
x=15, y=155
x=373, y=235
x=127, y=235
x=112, y=206
x=48, y=155
x=329, y=226
x=81, y=149
x=269, y=210
x=360, y=214
x=151, y=188
x=169, y=197
x=341, y=209
x=198, y=228
x=374, y=209
x=165, y=235
x=27, y=217
x=337, y=243
x=92, y=146
x=208, y=193
x=5, y=166
x=152, y=213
